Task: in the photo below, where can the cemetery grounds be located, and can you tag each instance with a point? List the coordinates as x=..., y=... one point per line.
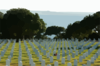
x=49, y=47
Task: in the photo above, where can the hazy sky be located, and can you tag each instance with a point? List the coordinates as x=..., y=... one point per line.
x=53, y=5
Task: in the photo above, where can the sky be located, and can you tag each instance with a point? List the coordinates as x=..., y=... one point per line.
x=53, y=5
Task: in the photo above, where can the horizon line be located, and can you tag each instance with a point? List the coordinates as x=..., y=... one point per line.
x=53, y=11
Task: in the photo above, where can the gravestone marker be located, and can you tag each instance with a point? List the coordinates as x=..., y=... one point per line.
x=51, y=59
x=73, y=55
x=68, y=58
x=20, y=63
x=44, y=52
x=56, y=63
x=48, y=55
x=83, y=65
x=67, y=52
x=92, y=60
x=58, y=56
x=63, y=54
x=80, y=58
x=76, y=53
x=69, y=64
x=88, y=63
x=63, y=60
x=75, y=62
x=8, y=62
x=94, y=57
x=43, y=63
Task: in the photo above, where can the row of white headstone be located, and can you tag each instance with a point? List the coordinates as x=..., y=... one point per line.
x=4, y=50
x=50, y=57
x=29, y=55
x=20, y=55
x=3, y=43
x=80, y=57
x=11, y=54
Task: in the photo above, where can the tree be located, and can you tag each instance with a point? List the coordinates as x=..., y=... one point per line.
x=42, y=29
x=56, y=30
x=94, y=35
x=1, y=15
x=14, y=20
x=84, y=27
x=72, y=28
x=61, y=36
x=97, y=28
x=21, y=23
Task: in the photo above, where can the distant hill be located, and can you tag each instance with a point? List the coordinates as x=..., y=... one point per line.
x=57, y=13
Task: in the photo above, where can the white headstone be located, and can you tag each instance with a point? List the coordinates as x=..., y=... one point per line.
x=44, y=52
x=43, y=63
x=63, y=54
x=63, y=60
x=68, y=58
x=31, y=61
x=67, y=52
x=41, y=49
x=83, y=65
x=8, y=62
x=71, y=51
x=40, y=58
x=76, y=53
x=2, y=53
x=9, y=57
x=74, y=48
x=19, y=58
x=80, y=58
x=73, y=55
x=58, y=50
x=50, y=50
x=54, y=52
x=69, y=64
x=88, y=63
x=58, y=56
x=20, y=63
x=48, y=55
x=75, y=62
x=92, y=59
x=56, y=63
x=48, y=65
x=51, y=59
x=33, y=64
x=97, y=54
x=86, y=54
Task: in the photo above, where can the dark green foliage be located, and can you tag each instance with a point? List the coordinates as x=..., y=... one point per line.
x=83, y=28
x=54, y=30
x=21, y=23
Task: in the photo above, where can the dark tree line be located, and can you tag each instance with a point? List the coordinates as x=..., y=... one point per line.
x=79, y=29
x=83, y=29
x=22, y=24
